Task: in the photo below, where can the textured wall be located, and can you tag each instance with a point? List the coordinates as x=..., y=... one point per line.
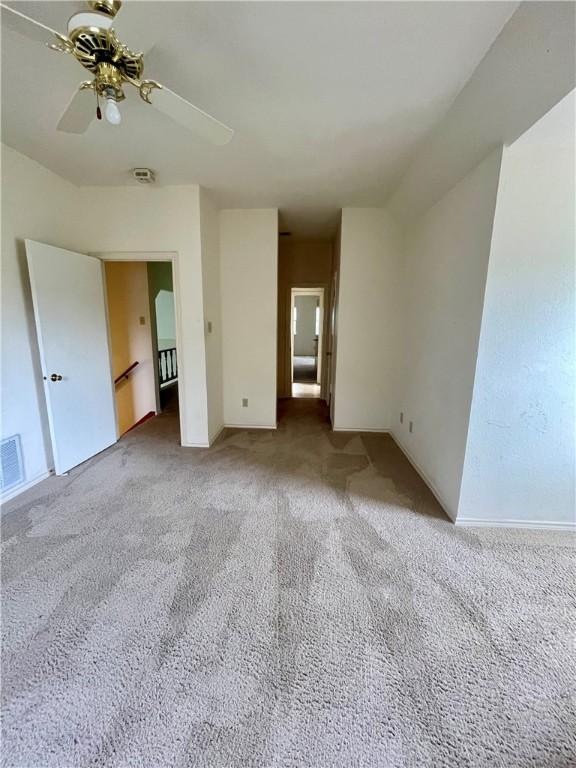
x=520, y=454
x=249, y=274
x=444, y=273
x=368, y=321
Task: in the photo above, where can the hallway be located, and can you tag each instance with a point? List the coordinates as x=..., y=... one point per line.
x=290, y=598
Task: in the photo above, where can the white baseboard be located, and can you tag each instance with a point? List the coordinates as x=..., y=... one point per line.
x=533, y=525
x=195, y=445
x=361, y=429
x=250, y=426
x=13, y=492
x=216, y=434
x=434, y=491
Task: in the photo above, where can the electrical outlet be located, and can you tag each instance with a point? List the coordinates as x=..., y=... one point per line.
x=410, y=427
x=244, y=402
x=401, y=417
x=142, y=320
x=209, y=326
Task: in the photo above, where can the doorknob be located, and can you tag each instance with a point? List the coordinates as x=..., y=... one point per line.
x=55, y=377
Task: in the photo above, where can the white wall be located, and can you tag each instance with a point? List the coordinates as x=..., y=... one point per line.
x=305, y=326
x=446, y=255
x=156, y=219
x=520, y=456
x=39, y=205
x=368, y=323
x=161, y=290
x=333, y=337
x=165, y=319
x=210, y=234
x=528, y=69
x=248, y=273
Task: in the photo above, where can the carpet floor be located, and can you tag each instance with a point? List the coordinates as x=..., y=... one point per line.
x=283, y=599
x=304, y=369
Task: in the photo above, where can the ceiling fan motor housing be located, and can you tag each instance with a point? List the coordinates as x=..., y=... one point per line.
x=93, y=43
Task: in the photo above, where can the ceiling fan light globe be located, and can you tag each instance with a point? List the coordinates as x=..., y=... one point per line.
x=89, y=19
x=112, y=112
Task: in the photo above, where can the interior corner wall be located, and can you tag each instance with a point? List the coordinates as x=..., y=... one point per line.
x=445, y=263
x=520, y=458
x=368, y=323
x=210, y=239
x=248, y=274
x=38, y=205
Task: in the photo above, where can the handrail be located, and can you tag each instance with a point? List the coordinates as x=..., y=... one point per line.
x=126, y=372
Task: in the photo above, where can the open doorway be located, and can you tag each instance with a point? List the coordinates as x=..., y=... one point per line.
x=141, y=320
x=306, y=334
x=163, y=317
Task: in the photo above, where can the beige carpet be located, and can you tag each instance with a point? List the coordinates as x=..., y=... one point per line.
x=285, y=599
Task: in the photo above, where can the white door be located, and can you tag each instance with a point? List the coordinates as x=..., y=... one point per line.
x=70, y=313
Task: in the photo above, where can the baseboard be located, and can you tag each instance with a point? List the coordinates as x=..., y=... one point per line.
x=24, y=487
x=433, y=490
x=532, y=525
x=361, y=429
x=216, y=435
x=195, y=445
x=250, y=426
x=145, y=418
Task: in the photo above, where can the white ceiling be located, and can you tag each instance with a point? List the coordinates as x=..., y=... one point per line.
x=328, y=99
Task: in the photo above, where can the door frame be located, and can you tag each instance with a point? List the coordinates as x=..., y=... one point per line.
x=306, y=288
x=171, y=256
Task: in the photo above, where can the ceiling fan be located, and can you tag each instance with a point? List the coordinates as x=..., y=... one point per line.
x=93, y=39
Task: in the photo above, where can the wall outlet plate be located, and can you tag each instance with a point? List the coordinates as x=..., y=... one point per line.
x=244, y=402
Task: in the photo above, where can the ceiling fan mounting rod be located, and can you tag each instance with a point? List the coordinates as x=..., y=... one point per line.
x=108, y=7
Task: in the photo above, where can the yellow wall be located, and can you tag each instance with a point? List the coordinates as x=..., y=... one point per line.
x=127, y=290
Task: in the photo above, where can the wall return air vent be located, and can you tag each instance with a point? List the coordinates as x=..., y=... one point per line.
x=12, y=470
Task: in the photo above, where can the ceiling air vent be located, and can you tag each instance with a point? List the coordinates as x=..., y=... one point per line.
x=12, y=465
x=143, y=175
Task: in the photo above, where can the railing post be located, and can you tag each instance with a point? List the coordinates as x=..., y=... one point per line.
x=167, y=365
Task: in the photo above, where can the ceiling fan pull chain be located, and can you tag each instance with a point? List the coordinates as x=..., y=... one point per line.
x=98, y=110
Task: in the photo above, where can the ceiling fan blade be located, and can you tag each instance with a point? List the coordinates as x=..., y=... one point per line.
x=24, y=25
x=191, y=117
x=79, y=113
x=132, y=26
